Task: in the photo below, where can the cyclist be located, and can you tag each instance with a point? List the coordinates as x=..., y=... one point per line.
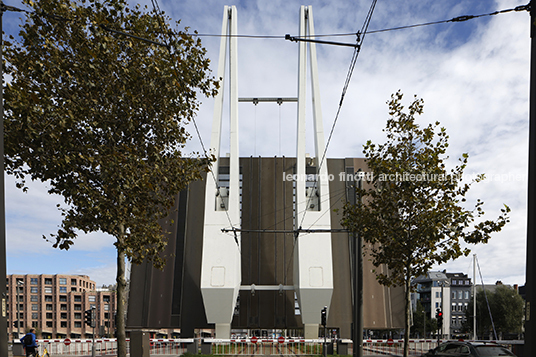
x=29, y=342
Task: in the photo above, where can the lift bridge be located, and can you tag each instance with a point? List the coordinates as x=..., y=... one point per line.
x=263, y=272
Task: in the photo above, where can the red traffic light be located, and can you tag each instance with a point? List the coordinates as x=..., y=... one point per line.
x=440, y=313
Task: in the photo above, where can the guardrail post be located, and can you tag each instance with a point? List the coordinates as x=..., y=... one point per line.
x=193, y=348
x=206, y=348
x=342, y=348
x=139, y=344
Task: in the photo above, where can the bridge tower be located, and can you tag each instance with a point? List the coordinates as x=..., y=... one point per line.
x=221, y=265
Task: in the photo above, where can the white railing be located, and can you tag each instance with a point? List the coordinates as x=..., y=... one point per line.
x=247, y=346
x=265, y=346
x=106, y=347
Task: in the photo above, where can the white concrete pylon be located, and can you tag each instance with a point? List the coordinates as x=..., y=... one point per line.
x=220, y=267
x=313, y=267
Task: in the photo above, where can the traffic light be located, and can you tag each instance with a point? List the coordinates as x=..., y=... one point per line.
x=440, y=318
x=89, y=316
x=323, y=316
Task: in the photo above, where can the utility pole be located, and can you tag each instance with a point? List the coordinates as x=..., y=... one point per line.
x=3, y=260
x=357, y=277
x=530, y=327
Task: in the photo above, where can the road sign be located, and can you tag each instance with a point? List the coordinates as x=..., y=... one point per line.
x=67, y=342
x=281, y=339
x=390, y=341
x=254, y=339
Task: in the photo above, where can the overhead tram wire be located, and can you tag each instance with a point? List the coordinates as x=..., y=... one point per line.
x=457, y=19
x=357, y=50
x=168, y=46
x=354, y=58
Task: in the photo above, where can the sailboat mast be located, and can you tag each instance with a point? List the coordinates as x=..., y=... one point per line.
x=474, y=297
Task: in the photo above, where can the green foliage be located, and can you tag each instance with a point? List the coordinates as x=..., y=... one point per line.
x=412, y=216
x=101, y=117
x=506, y=307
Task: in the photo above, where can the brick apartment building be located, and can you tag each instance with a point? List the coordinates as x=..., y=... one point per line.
x=54, y=305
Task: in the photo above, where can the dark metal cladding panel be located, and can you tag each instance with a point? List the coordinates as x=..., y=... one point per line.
x=383, y=307
x=192, y=307
x=340, y=311
x=150, y=287
x=171, y=298
x=267, y=203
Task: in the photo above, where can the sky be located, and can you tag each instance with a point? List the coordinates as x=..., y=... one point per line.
x=473, y=77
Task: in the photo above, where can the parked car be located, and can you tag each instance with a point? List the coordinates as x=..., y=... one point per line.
x=469, y=349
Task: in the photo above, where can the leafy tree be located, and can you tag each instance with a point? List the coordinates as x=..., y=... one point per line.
x=412, y=215
x=101, y=118
x=506, y=308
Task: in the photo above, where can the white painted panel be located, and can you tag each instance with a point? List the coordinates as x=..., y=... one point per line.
x=218, y=276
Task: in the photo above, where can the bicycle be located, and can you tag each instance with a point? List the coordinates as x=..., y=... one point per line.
x=44, y=354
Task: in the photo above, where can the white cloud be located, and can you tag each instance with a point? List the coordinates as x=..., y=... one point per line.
x=473, y=77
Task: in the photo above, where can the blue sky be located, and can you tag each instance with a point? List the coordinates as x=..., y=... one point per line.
x=473, y=76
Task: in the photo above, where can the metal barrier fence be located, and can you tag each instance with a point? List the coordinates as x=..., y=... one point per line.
x=108, y=347
x=265, y=346
x=249, y=346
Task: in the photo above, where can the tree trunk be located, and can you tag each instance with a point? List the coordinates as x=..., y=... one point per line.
x=121, y=303
x=407, y=315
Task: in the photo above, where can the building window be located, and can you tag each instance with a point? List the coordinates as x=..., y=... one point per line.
x=49, y=323
x=77, y=307
x=106, y=307
x=48, y=298
x=437, y=294
x=63, y=289
x=63, y=307
x=78, y=315
x=34, y=298
x=467, y=282
x=453, y=307
x=35, y=307
x=48, y=281
x=106, y=298
x=106, y=315
x=77, y=298
x=453, y=294
x=63, y=298
x=73, y=289
x=35, y=324
x=48, y=315
x=63, y=281
x=63, y=324
x=48, y=290
x=91, y=298
x=49, y=307
x=33, y=281
x=460, y=306
x=460, y=295
x=73, y=281
x=35, y=315
x=34, y=290
x=63, y=315
x=467, y=295
x=77, y=324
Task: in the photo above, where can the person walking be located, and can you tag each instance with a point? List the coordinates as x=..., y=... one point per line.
x=29, y=342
